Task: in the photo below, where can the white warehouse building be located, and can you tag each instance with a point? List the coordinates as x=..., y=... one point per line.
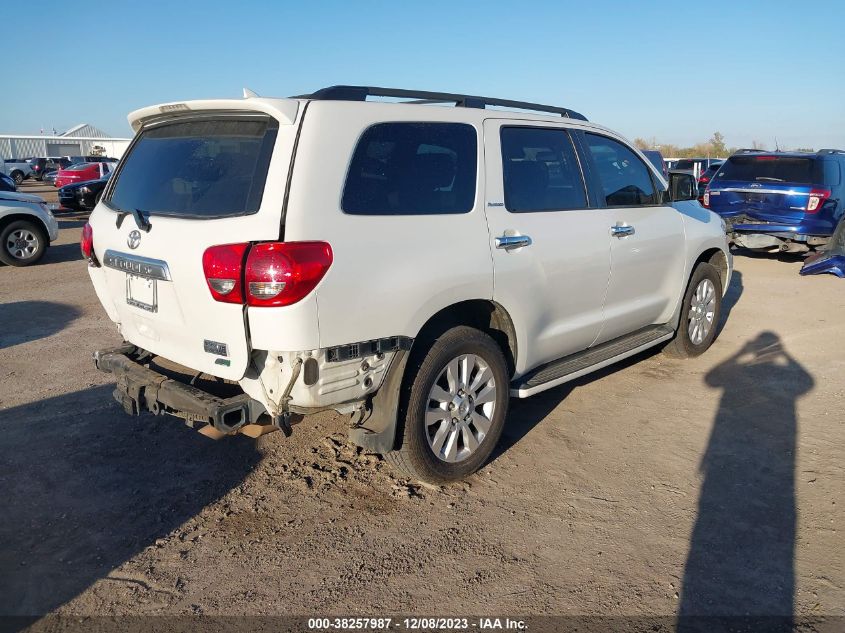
x=80, y=140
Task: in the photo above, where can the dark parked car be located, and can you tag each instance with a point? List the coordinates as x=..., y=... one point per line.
x=42, y=165
x=50, y=177
x=706, y=176
x=792, y=201
x=90, y=159
x=656, y=159
x=7, y=183
x=83, y=196
x=696, y=165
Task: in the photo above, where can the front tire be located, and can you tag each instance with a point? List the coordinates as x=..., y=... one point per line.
x=22, y=243
x=700, y=314
x=455, y=401
x=17, y=176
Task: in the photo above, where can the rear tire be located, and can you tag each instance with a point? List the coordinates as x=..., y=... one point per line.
x=22, y=243
x=454, y=404
x=700, y=313
x=17, y=176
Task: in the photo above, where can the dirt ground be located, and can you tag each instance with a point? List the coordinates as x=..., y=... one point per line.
x=710, y=486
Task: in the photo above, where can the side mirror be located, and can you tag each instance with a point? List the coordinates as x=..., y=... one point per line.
x=682, y=187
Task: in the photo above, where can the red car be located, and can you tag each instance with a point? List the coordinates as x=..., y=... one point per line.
x=81, y=172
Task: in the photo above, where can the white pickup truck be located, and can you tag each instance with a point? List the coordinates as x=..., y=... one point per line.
x=410, y=264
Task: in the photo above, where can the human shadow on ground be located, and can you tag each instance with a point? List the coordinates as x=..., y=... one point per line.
x=742, y=550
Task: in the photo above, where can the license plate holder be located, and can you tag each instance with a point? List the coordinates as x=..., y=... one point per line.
x=142, y=292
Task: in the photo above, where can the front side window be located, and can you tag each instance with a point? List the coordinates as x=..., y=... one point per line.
x=197, y=168
x=540, y=170
x=412, y=169
x=625, y=179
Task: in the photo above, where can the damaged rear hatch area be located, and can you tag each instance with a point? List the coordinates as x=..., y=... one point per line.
x=194, y=177
x=769, y=198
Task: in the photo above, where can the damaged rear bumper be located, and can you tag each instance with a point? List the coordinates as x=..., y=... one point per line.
x=141, y=388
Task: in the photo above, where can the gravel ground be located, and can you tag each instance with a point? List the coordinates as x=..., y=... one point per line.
x=710, y=486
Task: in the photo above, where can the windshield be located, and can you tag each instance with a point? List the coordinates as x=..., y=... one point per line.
x=199, y=167
x=770, y=168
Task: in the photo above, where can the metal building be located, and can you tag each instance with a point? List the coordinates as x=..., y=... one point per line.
x=80, y=140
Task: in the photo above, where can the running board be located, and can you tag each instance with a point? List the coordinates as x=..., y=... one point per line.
x=576, y=365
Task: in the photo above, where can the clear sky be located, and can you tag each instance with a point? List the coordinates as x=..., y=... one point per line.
x=675, y=71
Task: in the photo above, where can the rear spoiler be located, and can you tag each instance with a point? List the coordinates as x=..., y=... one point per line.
x=283, y=110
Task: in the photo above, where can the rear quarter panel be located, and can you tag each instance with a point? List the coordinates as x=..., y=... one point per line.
x=390, y=273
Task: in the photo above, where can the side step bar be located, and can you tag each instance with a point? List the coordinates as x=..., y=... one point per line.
x=576, y=365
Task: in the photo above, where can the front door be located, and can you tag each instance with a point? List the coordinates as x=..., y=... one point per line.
x=551, y=250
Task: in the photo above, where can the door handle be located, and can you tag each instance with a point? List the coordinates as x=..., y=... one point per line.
x=510, y=242
x=622, y=230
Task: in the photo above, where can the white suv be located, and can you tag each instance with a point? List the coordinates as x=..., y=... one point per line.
x=410, y=264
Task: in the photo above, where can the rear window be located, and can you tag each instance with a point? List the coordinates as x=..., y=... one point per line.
x=768, y=168
x=685, y=164
x=78, y=167
x=412, y=169
x=197, y=168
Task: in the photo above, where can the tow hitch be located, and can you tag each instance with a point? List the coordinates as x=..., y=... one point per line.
x=139, y=387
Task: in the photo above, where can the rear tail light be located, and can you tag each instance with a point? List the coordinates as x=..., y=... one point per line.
x=265, y=274
x=223, y=268
x=817, y=199
x=703, y=179
x=705, y=199
x=86, y=244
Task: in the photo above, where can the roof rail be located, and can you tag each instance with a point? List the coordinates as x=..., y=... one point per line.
x=360, y=93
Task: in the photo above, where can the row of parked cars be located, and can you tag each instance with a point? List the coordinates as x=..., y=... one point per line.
x=81, y=179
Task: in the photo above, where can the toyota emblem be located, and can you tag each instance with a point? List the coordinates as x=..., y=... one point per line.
x=134, y=239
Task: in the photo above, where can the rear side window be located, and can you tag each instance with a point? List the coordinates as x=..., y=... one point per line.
x=197, y=168
x=624, y=177
x=412, y=169
x=832, y=175
x=540, y=170
x=769, y=168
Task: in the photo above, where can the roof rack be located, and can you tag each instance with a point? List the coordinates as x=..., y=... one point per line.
x=750, y=150
x=831, y=151
x=360, y=93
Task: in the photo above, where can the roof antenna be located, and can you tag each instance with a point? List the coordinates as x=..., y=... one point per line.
x=248, y=94
x=777, y=147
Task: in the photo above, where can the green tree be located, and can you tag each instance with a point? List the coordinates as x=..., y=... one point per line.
x=718, y=143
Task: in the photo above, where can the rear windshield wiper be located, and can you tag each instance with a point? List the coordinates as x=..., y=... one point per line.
x=142, y=222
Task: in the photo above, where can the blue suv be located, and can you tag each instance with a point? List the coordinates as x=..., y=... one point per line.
x=786, y=200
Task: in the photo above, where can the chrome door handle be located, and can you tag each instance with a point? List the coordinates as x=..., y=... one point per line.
x=622, y=230
x=510, y=242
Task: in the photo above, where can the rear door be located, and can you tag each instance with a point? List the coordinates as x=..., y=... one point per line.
x=551, y=248
x=196, y=181
x=647, y=243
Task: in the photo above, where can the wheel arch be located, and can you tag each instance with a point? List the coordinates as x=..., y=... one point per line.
x=380, y=430
x=5, y=220
x=484, y=314
x=717, y=258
